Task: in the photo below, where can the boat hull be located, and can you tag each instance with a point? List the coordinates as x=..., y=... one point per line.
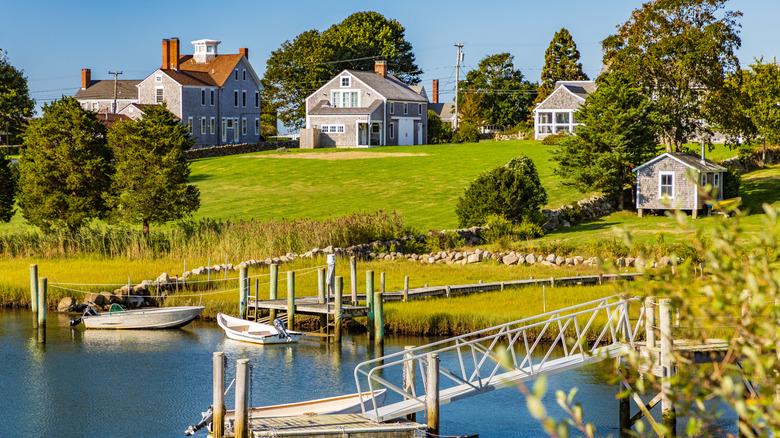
x=254, y=332
x=144, y=319
x=344, y=404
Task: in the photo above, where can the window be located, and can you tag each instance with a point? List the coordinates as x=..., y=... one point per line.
x=212, y=97
x=243, y=98
x=335, y=129
x=703, y=179
x=345, y=81
x=257, y=99
x=202, y=96
x=160, y=96
x=375, y=128
x=257, y=126
x=345, y=99
x=235, y=74
x=158, y=78
x=189, y=125
x=229, y=123
x=235, y=137
x=202, y=125
x=224, y=130
x=419, y=108
x=392, y=129
x=406, y=108
x=235, y=98
x=213, y=126
x=716, y=180
x=244, y=74
x=392, y=108
x=243, y=126
x=666, y=186
x=95, y=106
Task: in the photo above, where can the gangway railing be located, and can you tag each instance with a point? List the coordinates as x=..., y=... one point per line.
x=502, y=356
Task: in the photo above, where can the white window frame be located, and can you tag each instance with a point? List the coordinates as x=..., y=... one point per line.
x=159, y=95
x=332, y=129
x=257, y=126
x=243, y=126
x=392, y=108
x=224, y=130
x=703, y=179
x=716, y=179
x=391, y=127
x=345, y=98
x=158, y=78
x=212, y=125
x=202, y=125
x=189, y=125
x=236, y=134
x=661, y=176
x=346, y=81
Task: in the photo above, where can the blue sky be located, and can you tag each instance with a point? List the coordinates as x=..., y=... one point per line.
x=53, y=40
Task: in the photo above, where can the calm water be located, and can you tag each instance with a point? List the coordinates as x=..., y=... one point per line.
x=156, y=383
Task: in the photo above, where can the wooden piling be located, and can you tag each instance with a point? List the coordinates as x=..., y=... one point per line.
x=625, y=407
x=447, y=291
x=432, y=394
x=668, y=414
x=218, y=401
x=274, y=291
x=241, y=422
x=34, y=294
x=650, y=322
x=339, y=313
x=42, y=304
x=410, y=377
x=552, y=281
x=353, y=279
x=290, y=300
x=321, y=287
x=242, y=293
x=379, y=318
x=257, y=296
x=406, y=288
x=370, y=303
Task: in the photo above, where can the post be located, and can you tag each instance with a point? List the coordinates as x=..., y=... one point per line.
x=218, y=401
x=184, y=277
x=242, y=293
x=379, y=318
x=242, y=399
x=432, y=394
x=42, y=310
x=625, y=408
x=601, y=279
x=650, y=322
x=406, y=288
x=552, y=281
x=257, y=296
x=321, y=298
x=667, y=408
x=353, y=278
x=273, y=293
x=370, y=303
x=34, y=294
x=338, y=313
x=447, y=291
x=290, y=300
x=410, y=378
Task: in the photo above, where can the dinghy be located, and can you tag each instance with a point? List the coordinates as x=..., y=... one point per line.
x=256, y=332
x=117, y=318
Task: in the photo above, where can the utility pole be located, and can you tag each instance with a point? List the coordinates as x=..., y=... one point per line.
x=115, y=73
x=457, y=83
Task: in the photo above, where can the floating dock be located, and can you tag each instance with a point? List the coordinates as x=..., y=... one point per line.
x=351, y=425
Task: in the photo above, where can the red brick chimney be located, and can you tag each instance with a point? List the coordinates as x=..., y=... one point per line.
x=380, y=68
x=244, y=51
x=86, y=78
x=174, y=53
x=435, y=91
x=166, y=54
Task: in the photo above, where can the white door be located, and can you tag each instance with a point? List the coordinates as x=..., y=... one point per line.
x=405, y=132
x=419, y=134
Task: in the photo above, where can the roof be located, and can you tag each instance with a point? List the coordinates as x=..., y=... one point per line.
x=688, y=159
x=389, y=86
x=104, y=90
x=318, y=109
x=141, y=106
x=444, y=110
x=578, y=88
x=110, y=119
x=212, y=73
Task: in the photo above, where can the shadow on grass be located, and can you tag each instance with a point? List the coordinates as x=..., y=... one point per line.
x=600, y=224
x=757, y=191
x=200, y=177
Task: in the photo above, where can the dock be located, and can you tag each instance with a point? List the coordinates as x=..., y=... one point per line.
x=352, y=425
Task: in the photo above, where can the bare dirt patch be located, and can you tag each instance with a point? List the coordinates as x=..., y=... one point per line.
x=339, y=155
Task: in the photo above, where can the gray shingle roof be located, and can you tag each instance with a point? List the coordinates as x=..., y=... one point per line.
x=319, y=109
x=125, y=89
x=444, y=110
x=579, y=88
x=389, y=86
x=695, y=161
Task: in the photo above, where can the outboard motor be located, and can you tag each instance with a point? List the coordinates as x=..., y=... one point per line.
x=206, y=420
x=282, y=331
x=88, y=312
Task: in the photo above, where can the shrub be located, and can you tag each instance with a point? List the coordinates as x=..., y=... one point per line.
x=438, y=131
x=552, y=140
x=731, y=182
x=467, y=133
x=442, y=241
x=529, y=229
x=498, y=226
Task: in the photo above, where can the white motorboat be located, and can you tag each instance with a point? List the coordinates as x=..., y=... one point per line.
x=118, y=318
x=256, y=332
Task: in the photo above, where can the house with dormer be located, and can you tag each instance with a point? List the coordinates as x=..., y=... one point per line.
x=363, y=109
x=555, y=114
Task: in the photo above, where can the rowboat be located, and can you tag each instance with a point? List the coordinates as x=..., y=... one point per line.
x=117, y=318
x=256, y=332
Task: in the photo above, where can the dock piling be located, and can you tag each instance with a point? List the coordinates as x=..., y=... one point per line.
x=257, y=296
x=42, y=304
x=34, y=294
x=274, y=291
x=321, y=296
x=650, y=322
x=406, y=288
x=338, y=314
x=370, y=303
x=432, y=394
x=290, y=300
x=410, y=377
x=625, y=407
x=218, y=402
x=242, y=399
x=353, y=278
x=242, y=293
x=668, y=414
x=379, y=318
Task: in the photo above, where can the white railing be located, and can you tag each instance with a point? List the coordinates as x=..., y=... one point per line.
x=500, y=356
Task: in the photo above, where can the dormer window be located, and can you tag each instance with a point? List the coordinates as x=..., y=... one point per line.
x=345, y=82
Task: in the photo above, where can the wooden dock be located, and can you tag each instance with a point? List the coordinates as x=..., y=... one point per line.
x=352, y=425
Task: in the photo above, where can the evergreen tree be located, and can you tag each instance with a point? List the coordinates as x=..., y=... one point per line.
x=7, y=188
x=619, y=133
x=64, y=168
x=15, y=102
x=561, y=63
x=150, y=183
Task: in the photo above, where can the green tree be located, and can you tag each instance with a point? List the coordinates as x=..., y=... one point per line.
x=506, y=95
x=64, y=168
x=512, y=190
x=438, y=131
x=7, y=188
x=619, y=132
x=561, y=63
x=151, y=180
x=678, y=51
x=15, y=102
x=301, y=66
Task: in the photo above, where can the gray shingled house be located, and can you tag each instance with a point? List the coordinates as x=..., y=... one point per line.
x=662, y=183
x=100, y=96
x=556, y=113
x=364, y=109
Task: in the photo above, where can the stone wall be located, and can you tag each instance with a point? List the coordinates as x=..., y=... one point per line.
x=753, y=160
x=235, y=149
x=586, y=209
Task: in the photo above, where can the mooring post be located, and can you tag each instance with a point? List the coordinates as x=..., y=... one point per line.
x=410, y=378
x=370, y=303
x=218, y=400
x=34, y=294
x=321, y=298
x=552, y=281
x=290, y=300
x=668, y=414
x=42, y=304
x=625, y=406
x=257, y=296
x=338, y=313
x=650, y=322
x=353, y=278
x=274, y=292
x=242, y=293
x=432, y=394
x=242, y=399
x=379, y=318
x=406, y=288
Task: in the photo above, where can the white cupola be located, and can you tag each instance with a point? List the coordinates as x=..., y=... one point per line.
x=205, y=50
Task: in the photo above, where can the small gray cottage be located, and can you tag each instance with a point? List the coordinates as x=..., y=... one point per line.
x=661, y=183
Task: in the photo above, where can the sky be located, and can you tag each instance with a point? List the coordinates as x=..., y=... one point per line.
x=52, y=40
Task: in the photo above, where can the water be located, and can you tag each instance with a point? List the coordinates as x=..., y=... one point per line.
x=155, y=383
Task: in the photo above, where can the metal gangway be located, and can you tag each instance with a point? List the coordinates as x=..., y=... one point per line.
x=501, y=356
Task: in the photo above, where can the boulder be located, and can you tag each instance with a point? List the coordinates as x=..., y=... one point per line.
x=110, y=298
x=475, y=258
x=551, y=258
x=664, y=261
x=510, y=259
x=98, y=299
x=67, y=304
x=530, y=259
x=163, y=279
x=560, y=260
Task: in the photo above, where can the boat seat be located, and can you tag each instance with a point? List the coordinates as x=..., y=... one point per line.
x=260, y=333
x=240, y=328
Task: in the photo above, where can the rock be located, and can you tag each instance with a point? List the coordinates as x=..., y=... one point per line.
x=550, y=258
x=560, y=260
x=510, y=259
x=630, y=261
x=566, y=224
x=66, y=304
x=569, y=261
x=110, y=298
x=98, y=299
x=163, y=279
x=664, y=261
x=530, y=259
x=475, y=258
x=620, y=262
x=578, y=260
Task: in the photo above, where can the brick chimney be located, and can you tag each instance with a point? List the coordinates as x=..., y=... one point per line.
x=166, y=54
x=380, y=68
x=244, y=51
x=174, y=53
x=435, y=91
x=86, y=78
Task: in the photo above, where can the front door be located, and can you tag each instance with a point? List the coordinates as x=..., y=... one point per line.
x=405, y=132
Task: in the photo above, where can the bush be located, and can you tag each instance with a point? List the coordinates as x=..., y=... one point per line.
x=438, y=131
x=731, y=182
x=442, y=241
x=513, y=191
x=552, y=140
x=467, y=133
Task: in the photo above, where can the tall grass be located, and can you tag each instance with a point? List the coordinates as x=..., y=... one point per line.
x=206, y=237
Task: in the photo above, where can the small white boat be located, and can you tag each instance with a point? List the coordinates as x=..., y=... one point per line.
x=256, y=332
x=117, y=318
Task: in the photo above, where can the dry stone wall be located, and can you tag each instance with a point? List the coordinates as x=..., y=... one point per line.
x=235, y=149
